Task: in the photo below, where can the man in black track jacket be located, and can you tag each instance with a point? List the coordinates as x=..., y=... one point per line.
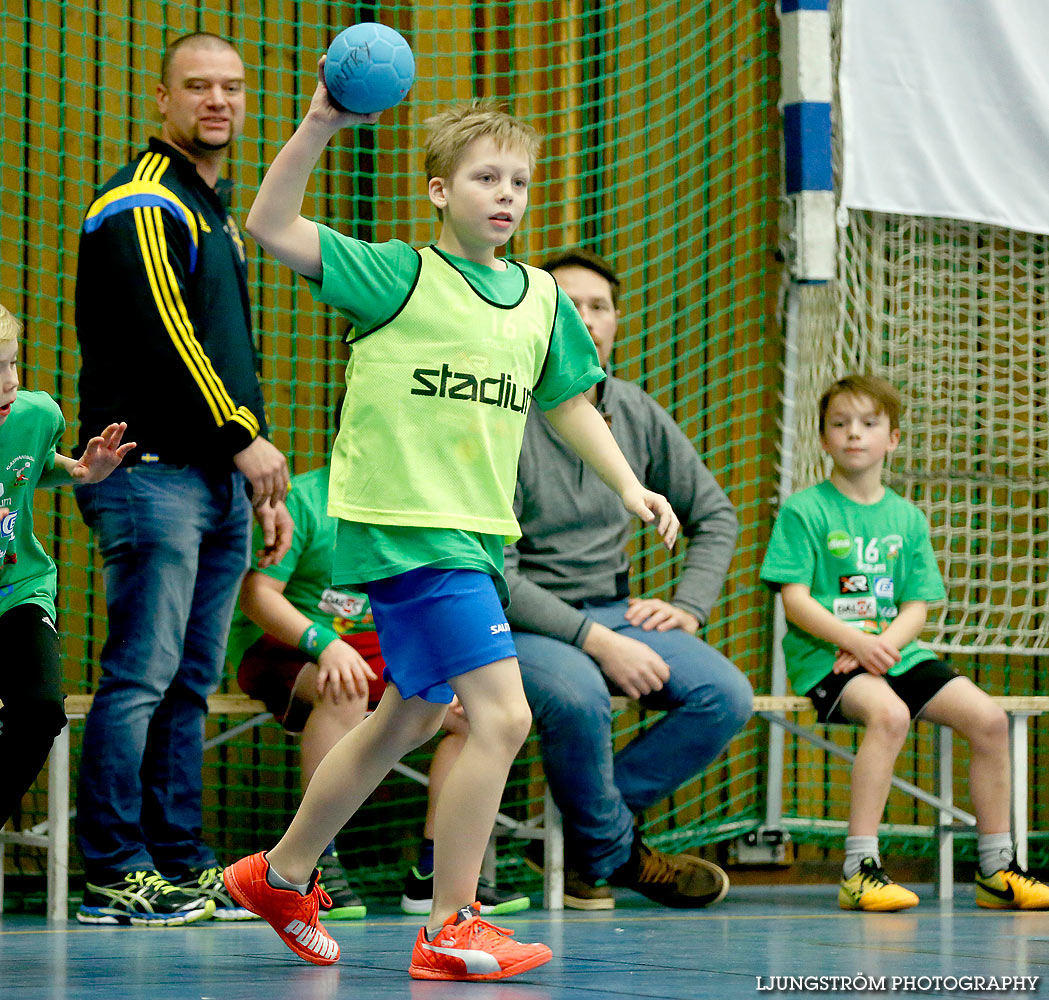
x=164, y=325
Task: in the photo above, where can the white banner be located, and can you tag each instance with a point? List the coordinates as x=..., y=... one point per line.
x=945, y=109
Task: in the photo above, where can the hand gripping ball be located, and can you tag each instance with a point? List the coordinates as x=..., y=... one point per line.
x=369, y=68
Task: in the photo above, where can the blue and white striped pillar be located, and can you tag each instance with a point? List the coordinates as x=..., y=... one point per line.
x=806, y=95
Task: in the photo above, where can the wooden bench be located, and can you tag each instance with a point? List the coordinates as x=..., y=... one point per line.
x=775, y=709
x=1019, y=708
x=53, y=834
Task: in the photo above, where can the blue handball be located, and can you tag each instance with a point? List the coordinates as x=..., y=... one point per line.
x=369, y=68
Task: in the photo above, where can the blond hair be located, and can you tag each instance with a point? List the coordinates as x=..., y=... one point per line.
x=10, y=327
x=883, y=394
x=451, y=131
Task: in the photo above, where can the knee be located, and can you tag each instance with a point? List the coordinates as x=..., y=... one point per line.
x=890, y=720
x=346, y=713
x=514, y=723
x=738, y=700
x=421, y=729
x=580, y=707
x=518, y=723
x=36, y=722
x=505, y=727
x=990, y=732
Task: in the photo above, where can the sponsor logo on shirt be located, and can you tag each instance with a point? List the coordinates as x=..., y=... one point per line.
x=855, y=584
x=20, y=466
x=341, y=603
x=501, y=627
x=839, y=543
x=234, y=234
x=502, y=391
x=853, y=608
x=883, y=587
x=893, y=546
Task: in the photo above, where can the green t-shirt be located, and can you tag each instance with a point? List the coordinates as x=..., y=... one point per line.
x=306, y=570
x=369, y=284
x=28, y=440
x=860, y=561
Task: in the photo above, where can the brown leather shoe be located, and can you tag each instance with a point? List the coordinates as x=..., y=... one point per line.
x=583, y=895
x=579, y=893
x=680, y=880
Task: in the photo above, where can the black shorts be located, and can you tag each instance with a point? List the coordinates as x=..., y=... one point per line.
x=28, y=639
x=915, y=688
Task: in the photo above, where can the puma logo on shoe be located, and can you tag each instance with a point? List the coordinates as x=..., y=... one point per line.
x=476, y=962
x=312, y=938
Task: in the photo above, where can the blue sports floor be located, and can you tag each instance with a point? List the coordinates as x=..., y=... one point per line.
x=638, y=950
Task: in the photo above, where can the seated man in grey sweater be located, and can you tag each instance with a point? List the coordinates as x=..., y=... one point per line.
x=579, y=636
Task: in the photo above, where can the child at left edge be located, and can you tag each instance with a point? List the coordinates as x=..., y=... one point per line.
x=31, y=425
x=423, y=483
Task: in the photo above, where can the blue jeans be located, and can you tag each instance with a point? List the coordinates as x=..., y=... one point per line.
x=707, y=699
x=174, y=542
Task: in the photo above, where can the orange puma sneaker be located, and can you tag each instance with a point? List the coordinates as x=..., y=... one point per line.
x=292, y=915
x=471, y=949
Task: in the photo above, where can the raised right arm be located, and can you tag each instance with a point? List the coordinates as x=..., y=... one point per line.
x=275, y=220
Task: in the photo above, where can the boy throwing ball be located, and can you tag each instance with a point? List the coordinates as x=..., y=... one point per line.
x=451, y=347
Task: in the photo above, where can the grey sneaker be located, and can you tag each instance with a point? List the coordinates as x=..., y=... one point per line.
x=144, y=898
x=345, y=903
x=206, y=883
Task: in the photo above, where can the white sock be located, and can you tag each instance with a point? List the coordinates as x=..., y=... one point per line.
x=275, y=879
x=996, y=852
x=856, y=849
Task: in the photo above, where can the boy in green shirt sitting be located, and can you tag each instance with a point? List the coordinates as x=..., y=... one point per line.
x=855, y=568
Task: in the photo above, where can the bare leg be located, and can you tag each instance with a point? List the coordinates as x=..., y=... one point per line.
x=870, y=701
x=448, y=750
x=970, y=712
x=348, y=774
x=495, y=704
x=326, y=724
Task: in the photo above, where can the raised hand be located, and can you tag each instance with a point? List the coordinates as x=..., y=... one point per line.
x=102, y=455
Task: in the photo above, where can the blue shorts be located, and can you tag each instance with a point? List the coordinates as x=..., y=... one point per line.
x=437, y=623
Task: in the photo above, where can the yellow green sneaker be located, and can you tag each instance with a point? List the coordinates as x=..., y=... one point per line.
x=1011, y=889
x=872, y=890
